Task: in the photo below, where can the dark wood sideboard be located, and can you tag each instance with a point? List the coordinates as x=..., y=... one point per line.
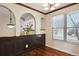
x=12, y=46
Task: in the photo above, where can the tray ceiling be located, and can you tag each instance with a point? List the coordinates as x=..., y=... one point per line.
x=39, y=6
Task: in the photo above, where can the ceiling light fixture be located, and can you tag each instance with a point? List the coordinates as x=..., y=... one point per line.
x=57, y=4
x=52, y=3
x=46, y=8
x=45, y=4
x=50, y=6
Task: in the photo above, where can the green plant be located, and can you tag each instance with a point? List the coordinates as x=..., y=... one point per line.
x=28, y=28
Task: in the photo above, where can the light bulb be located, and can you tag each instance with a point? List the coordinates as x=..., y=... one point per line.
x=57, y=4
x=52, y=3
x=45, y=5
x=10, y=25
x=52, y=8
x=46, y=8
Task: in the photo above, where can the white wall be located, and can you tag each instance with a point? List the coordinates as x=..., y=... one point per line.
x=19, y=11
x=48, y=21
x=4, y=30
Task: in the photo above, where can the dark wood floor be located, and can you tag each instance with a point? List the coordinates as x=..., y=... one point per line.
x=45, y=52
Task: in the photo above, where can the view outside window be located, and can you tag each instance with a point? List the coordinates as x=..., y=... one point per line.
x=58, y=26
x=71, y=26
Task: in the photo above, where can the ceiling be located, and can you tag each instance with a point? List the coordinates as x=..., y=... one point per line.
x=34, y=6
x=39, y=6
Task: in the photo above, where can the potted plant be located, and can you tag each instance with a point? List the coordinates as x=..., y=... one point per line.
x=28, y=28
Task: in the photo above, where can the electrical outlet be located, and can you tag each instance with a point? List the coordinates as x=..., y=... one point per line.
x=26, y=45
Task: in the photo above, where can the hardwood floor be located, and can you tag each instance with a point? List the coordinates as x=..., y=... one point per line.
x=45, y=52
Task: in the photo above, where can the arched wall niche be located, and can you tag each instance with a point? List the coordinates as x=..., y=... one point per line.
x=27, y=20
x=4, y=20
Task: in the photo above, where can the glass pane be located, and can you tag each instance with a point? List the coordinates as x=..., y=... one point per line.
x=73, y=27
x=58, y=34
x=69, y=22
x=73, y=35
x=58, y=21
x=73, y=19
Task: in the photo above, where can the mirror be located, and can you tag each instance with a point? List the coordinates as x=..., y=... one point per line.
x=27, y=24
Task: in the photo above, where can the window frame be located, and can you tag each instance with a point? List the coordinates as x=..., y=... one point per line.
x=65, y=26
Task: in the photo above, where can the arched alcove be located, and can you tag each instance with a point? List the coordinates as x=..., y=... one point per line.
x=5, y=14
x=27, y=24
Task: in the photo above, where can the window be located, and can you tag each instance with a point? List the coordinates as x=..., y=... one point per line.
x=58, y=25
x=73, y=27
x=66, y=27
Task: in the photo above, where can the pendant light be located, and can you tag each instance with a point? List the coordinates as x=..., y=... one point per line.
x=11, y=25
